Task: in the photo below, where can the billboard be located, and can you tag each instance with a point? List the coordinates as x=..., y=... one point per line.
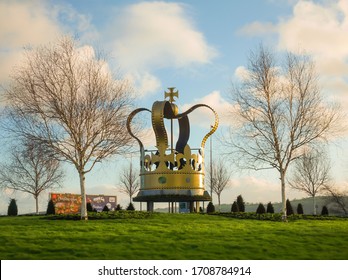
x=99, y=201
x=68, y=203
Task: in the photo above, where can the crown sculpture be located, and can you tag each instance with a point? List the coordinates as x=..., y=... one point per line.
x=168, y=174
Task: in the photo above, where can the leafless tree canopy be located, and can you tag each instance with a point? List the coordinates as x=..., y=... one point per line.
x=280, y=111
x=64, y=97
x=339, y=197
x=31, y=170
x=220, y=178
x=129, y=181
x=311, y=174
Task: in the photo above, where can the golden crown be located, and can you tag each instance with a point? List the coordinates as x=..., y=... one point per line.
x=167, y=172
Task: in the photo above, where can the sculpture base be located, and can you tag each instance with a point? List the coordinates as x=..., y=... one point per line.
x=152, y=198
x=172, y=195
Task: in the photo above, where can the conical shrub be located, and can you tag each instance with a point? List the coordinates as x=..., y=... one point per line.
x=240, y=203
x=210, y=207
x=89, y=207
x=118, y=207
x=261, y=209
x=289, y=210
x=12, y=208
x=50, y=208
x=299, y=209
x=270, y=208
x=324, y=211
x=234, y=207
x=130, y=207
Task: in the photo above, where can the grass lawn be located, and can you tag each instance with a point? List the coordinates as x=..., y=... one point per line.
x=172, y=237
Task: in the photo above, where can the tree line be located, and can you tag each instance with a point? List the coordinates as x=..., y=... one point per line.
x=63, y=104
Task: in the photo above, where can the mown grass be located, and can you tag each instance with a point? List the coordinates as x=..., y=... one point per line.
x=171, y=237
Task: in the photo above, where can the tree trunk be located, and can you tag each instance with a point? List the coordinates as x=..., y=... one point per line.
x=282, y=179
x=219, y=202
x=314, y=206
x=37, y=204
x=84, y=215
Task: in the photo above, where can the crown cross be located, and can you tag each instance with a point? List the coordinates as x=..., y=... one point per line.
x=171, y=94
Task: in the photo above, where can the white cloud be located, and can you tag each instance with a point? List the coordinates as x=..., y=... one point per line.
x=144, y=82
x=241, y=73
x=158, y=34
x=22, y=23
x=153, y=35
x=33, y=23
x=25, y=22
x=202, y=117
x=319, y=29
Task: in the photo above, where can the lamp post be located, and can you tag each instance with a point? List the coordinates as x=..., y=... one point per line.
x=211, y=166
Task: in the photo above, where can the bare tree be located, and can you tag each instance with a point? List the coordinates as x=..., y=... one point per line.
x=219, y=177
x=338, y=197
x=31, y=170
x=65, y=98
x=281, y=110
x=129, y=182
x=311, y=174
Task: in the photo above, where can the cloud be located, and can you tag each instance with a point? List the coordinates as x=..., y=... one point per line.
x=22, y=23
x=319, y=29
x=241, y=73
x=159, y=34
x=144, y=82
x=33, y=23
x=214, y=99
x=25, y=22
x=154, y=35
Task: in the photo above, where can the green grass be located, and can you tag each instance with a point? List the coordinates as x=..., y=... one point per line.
x=172, y=236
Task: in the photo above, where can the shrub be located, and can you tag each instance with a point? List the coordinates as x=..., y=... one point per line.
x=210, y=207
x=324, y=211
x=299, y=209
x=270, y=208
x=130, y=207
x=118, y=207
x=89, y=207
x=240, y=203
x=201, y=209
x=12, y=208
x=234, y=208
x=260, y=209
x=106, y=208
x=289, y=210
x=50, y=208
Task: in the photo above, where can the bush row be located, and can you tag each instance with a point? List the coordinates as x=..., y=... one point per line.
x=274, y=216
x=122, y=214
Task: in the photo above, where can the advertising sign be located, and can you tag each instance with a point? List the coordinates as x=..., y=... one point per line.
x=68, y=203
x=99, y=201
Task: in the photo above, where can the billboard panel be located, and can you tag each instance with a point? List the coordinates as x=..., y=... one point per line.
x=99, y=201
x=68, y=203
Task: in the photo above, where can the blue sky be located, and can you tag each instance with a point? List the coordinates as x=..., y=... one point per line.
x=199, y=47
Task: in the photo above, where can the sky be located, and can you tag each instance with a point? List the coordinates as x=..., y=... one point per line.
x=198, y=46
